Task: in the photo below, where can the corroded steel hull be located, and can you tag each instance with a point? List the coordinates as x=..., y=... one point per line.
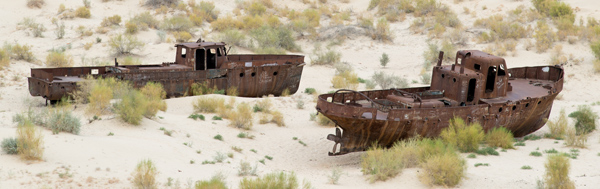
x=364, y=119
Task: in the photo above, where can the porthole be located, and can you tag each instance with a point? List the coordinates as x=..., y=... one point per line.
x=443, y=75
x=514, y=108
x=454, y=79
x=539, y=102
x=253, y=74
x=526, y=105
x=241, y=74
x=500, y=110
x=274, y=73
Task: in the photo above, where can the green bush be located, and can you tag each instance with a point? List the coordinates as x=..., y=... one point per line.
x=145, y=174
x=380, y=164
x=233, y=37
x=271, y=180
x=310, y=90
x=29, y=141
x=58, y=59
x=273, y=39
x=595, y=46
x=499, y=137
x=557, y=172
x=144, y=20
x=60, y=120
x=9, y=145
x=132, y=107
x=544, y=37
x=466, y=137
x=322, y=57
x=446, y=169
x=177, y=23
x=124, y=44
x=574, y=140
x=384, y=60
x=585, y=119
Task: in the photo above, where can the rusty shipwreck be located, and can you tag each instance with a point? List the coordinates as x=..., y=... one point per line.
x=201, y=62
x=478, y=87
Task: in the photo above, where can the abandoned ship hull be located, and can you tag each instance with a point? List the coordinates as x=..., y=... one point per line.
x=366, y=117
x=205, y=63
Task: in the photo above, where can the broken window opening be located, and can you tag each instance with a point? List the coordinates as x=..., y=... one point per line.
x=491, y=79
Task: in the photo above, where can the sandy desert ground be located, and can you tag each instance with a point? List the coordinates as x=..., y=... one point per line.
x=95, y=160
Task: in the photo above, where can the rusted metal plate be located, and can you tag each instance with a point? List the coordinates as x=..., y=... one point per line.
x=519, y=99
x=200, y=62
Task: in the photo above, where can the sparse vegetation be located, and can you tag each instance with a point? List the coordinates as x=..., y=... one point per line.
x=4, y=58
x=242, y=117
x=557, y=172
x=22, y=52
x=271, y=180
x=246, y=169
x=558, y=128
x=384, y=60
x=544, y=37
x=585, y=119
x=177, y=24
x=535, y=153
x=465, y=137
x=29, y=141
x=154, y=93
x=345, y=80
x=83, y=12
x=158, y=3
x=574, y=140
x=499, y=137
x=217, y=181
x=324, y=121
x=121, y=44
x=111, y=21
x=322, y=57
x=35, y=3
x=145, y=174
x=59, y=59
x=10, y=145
x=208, y=104
x=131, y=107
x=386, y=81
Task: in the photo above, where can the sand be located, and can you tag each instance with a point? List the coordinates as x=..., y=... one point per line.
x=95, y=160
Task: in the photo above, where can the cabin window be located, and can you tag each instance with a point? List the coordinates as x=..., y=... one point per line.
x=211, y=59
x=501, y=71
x=491, y=79
x=183, y=52
x=200, y=59
x=476, y=66
x=471, y=91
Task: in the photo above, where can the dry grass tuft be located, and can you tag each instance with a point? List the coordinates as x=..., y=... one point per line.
x=557, y=172
x=324, y=121
x=83, y=12
x=574, y=140
x=380, y=164
x=558, y=128
x=35, y=3
x=29, y=141
x=271, y=180
x=145, y=174
x=217, y=181
x=465, y=137
x=132, y=107
x=345, y=80
x=206, y=104
x=124, y=44
x=277, y=118
x=154, y=93
x=59, y=59
x=499, y=137
x=242, y=117
x=446, y=169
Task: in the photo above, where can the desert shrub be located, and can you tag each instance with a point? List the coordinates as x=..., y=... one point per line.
x=158, y=3
x=9, y=145
x=409, y=151
x=217, y=181
x=29, y=141
x=208, y=104
x=558, y=128
x=98, y=93
x=382, y=31
x=263, y=105
x=446, y=169
x=499, y=137
x=4, y=58
x=145, y=174
x=277, y=118
x=322, y=57
x=36, y=29
x=129, y=60
x=345, y=80
x=310, y=90
x=203, y=88
x=574, y=140
x=124, y=44
x=380, y=164
x=35, y=3
x=58, y=59
x=273, y=39
x=384, y=60
x=205, y=10
x=271, y=180
x=182, y=36
x=83, y=12
x=144, y=20
x=466, y=137
x=500, y=29
x=177, y=23
x=385, y=81
x=62, y=120
x=22, y=52
x=557, y=172
x=154, y=93
x=544, y=36
x=233, y=37
x=324, y=121
x=111, y=21
x=132, y=107
x=226, y=23
x=246, y=169
x=242, y=117
x=585, y=119
x=595, y=46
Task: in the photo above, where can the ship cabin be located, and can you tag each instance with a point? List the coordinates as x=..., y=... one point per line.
x=473, y=77
x=201, y=55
